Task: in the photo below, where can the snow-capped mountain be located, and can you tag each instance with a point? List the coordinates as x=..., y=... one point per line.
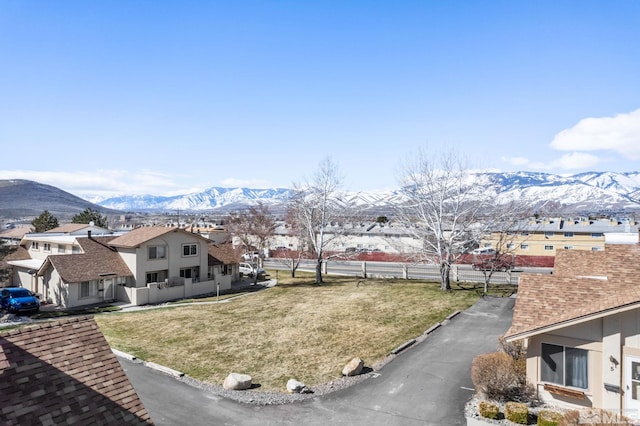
x=211, y=198
x=592, y=191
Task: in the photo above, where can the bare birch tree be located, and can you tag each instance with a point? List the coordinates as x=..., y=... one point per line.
x=315, y=205
x=253, y=228
x=445, y=209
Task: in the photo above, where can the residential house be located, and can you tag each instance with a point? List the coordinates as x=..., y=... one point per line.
x=581, y=328
x=84, y=266
x=64, y=372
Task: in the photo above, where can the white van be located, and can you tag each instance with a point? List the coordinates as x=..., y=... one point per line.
x=484, y=250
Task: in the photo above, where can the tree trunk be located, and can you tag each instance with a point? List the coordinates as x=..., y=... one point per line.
x=445, y=279
x=319, y=272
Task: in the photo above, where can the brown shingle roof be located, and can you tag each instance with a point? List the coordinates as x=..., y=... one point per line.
x=141, y=235
x=97, y=261
x=548, y=301
x=69, y=227
x=138, y=236
x=64, y=372
x=224, y=253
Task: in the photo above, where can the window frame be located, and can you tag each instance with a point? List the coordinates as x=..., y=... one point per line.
x=157, y=248
x=578, y=356
x=88, y=289
x=189, y=249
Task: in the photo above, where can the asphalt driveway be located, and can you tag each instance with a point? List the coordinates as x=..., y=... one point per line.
x=428, y=384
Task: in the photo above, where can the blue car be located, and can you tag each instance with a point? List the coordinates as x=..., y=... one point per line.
x=17, y=300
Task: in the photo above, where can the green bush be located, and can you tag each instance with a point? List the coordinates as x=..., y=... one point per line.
x=488, y=410
x=549, y=418
x=516, y=412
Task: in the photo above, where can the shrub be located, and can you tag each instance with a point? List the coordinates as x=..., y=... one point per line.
x=516, y=412
x=518, y=352
x=549, y=418
x=593, y=416
x=494, y=376
x=488, y=409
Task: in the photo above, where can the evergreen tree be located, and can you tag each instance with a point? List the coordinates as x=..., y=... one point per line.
x=44, y=222
x=88, y=216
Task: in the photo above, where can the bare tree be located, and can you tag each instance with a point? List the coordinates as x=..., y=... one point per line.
x=445, y=209
x=315, y=206
x=253, y=228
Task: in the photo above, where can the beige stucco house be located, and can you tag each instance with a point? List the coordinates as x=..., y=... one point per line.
x=86, y=265
x=581, y=327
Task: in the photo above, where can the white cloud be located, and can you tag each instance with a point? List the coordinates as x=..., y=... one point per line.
x=575, y=161
x=620, y=133
x=571, y=161
x=102, y=184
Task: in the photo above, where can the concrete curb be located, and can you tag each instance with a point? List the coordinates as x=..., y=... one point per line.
x=123, y=355
x=149, y=364
x=164, y=369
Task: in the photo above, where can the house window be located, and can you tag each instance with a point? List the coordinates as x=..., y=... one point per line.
x=88, y=289
x=61, y=248
x=548, y=248
x=75, y=249
x=511, y=246
x=193, y=273
x=157, y=276
x=597, y=235
x=524, y=246
x=568, y=234
x=46, y=247
x=524, y=233
x=189, y=249
x=158, y=252
x=565, y=366
x=568, y=247
x=596, y=248
x=548, y=234
x=35, y=245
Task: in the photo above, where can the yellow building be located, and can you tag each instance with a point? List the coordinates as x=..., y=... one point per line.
x=543, y=236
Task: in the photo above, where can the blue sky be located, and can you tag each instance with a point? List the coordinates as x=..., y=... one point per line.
x=101, y=98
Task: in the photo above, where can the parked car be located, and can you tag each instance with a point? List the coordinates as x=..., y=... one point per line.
x=250, y=270
x=18, y=300
x=252, y=255
x=492, y=265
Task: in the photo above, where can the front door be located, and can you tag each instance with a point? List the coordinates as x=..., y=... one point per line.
x=632, y=387
x=106, y=287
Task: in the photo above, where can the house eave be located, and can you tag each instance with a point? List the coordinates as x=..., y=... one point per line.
x=574, y=321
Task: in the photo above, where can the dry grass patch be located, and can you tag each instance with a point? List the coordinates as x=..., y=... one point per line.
x=296, y=329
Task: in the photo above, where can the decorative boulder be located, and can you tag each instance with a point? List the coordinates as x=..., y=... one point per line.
x=294, y=386
x=353, y=368
x=237, y=381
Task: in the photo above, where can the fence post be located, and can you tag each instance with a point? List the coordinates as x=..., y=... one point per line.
x=364, y=269
x=405, y=271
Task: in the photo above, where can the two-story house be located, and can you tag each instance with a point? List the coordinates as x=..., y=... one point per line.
x=86, y=265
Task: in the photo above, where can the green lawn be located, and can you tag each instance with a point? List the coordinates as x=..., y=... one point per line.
x=296, y=329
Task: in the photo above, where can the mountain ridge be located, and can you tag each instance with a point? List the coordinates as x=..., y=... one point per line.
x=584, y=191
x=593, y=192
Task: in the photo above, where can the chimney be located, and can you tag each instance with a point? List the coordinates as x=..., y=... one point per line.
x=89, y=233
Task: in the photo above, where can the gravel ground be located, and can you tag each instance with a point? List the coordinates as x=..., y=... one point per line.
x=274, y=398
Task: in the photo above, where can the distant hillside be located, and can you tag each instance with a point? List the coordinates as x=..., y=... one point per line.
x=594, y=192
x=25, y=198
x=585, y=192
